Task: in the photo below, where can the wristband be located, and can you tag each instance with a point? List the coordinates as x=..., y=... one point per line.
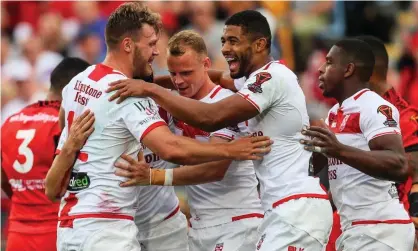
x=157, y=177
x=168, y=177
x=413, y=201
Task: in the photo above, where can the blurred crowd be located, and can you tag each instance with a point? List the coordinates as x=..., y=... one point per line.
x=37, y=35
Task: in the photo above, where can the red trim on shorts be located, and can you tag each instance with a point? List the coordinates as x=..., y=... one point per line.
x=247, y=97
x=172, y=213
x=385, y=133
x=364, y=222
x=221, y=135
x=215, y=92
x=68, y=221
x=247, y=216
x=298, y=196
x=152, y=127
x=361, y=93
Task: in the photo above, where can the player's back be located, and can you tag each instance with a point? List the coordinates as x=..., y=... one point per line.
x=236, y=194
x=359, y=197
x=283, y=173
x=94, y=188
x=28, y=143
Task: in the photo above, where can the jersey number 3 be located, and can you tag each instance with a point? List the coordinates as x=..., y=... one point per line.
x=27, y=136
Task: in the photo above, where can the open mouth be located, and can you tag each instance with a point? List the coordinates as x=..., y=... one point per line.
x=321, y=83
x=233, y=63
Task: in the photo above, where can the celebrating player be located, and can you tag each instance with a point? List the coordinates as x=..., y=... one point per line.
x=96, y=213
x=225, y=213
x=364, y=151
x=29, y=139
x=272, y=96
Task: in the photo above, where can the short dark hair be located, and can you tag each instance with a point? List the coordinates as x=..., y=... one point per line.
x=66, y=70
x=127, y=19
x=380, y=54
x=360, y=54
x=253, y=23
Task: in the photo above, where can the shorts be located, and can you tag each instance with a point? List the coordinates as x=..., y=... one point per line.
x=31, y=242
x=238, y=235
x=382, y=237
x=98, y=235
x=299, y=224
x=169, y=235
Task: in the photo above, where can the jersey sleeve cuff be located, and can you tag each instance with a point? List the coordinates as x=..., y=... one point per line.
x=152, y=127
x=247, y=97
x=382, y=133
x=223, y=136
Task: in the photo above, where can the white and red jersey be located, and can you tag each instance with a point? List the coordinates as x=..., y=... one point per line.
x=360, y=198
x=283, y=173
x=156, y=203
x=94, y=189
x=233, y=198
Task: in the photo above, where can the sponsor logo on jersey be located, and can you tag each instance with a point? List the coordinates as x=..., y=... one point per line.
x=393, y=191
x=387, y=112
x=78, y=181
x=260, y=78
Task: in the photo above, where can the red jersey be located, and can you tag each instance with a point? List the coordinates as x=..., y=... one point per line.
x=28, y=143
x=409, y=128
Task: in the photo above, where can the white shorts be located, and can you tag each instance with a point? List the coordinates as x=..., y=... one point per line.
x=238, y=235
x=382, y=237
x=169, y=235
x=300, y=224
x=98, y=235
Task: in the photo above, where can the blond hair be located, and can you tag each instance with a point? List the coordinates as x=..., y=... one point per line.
x=186, y=38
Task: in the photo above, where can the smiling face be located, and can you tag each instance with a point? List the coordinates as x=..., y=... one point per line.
x=188, y=71
x=145, y=50
x=237, y=50
x=332, y=73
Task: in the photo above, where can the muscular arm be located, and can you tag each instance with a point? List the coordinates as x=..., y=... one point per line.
x=203, y=173
x=208, y=117
x=182, y=150
x=386, y=160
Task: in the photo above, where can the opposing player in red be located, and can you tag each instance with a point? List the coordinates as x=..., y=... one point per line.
x=362, y=147
x=28, y=143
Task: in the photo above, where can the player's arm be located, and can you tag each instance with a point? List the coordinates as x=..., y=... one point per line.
x=61, y=118
x=139, y=173
x=182, y=150
x=257, y=95
x=55, y=181
x=385, y=160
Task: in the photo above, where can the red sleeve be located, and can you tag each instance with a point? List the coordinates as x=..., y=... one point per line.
x=409, y=127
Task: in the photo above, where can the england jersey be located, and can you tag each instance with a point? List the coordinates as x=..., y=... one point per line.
x=283, y=173
x=156, y=203
x=94, y=189
x=233, y=198
x=360, y=198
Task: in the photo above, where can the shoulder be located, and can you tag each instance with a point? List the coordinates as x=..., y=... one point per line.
x=273, y=72
x=370, y=101
x=221, y=93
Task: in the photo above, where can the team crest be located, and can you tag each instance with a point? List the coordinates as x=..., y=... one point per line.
x=260, y=78
x=260, y=242
x=219, y=247
x=387, y=112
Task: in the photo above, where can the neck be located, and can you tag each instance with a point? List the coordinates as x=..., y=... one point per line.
x=258, y=63
x=349, y=89
x=206, y=88
x=53, y=96
x=381, y=87
x=119, y=63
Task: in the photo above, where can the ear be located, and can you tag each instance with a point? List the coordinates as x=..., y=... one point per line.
x=260, y=44
x=127, y=45
x=207, y=64
x=349, y=70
